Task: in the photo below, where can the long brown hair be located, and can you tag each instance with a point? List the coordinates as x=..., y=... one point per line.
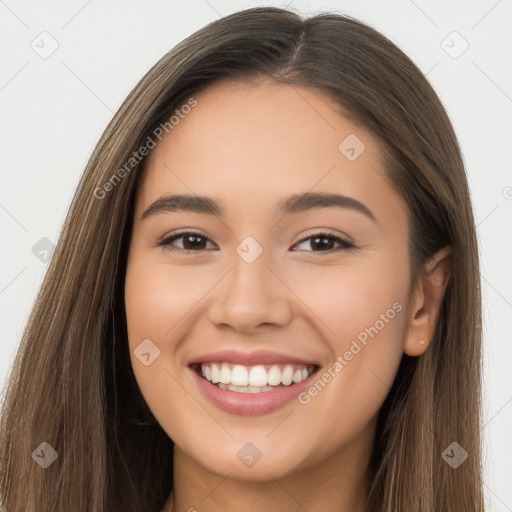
x=72, y=384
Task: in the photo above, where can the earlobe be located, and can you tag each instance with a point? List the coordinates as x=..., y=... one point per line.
x=426, y=304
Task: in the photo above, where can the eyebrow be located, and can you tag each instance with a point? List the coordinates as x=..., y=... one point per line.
x=294, y=204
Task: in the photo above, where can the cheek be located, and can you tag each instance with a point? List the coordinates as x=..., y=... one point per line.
x=361, y=309
x=161, y=301
x=348, y=299
x=158, y=296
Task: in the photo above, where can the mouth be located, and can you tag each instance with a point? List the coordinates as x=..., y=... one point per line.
x=251, y=383
x=261, y=378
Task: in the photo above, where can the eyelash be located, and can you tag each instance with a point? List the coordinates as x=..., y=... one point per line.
x=166, y=243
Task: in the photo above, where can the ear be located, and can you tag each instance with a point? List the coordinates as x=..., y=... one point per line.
x=428, y=296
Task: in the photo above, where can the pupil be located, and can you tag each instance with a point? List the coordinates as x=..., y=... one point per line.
x=317, y=239
x=191, y=237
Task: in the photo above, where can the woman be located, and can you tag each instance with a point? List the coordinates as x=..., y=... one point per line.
x=191, y=349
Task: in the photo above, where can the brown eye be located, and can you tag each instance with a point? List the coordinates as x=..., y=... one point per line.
x=325, y=242
x=192, y=242
x=196, y=242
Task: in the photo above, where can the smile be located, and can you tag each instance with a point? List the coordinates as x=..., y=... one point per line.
x=253, y=379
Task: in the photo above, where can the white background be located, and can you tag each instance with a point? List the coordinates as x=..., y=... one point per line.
x=53, y=110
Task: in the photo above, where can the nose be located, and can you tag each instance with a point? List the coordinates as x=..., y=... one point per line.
x=250, y=296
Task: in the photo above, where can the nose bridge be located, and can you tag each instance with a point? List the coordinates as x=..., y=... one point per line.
x=251, y=293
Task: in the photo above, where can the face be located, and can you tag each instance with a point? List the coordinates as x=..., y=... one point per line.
x=265, y=338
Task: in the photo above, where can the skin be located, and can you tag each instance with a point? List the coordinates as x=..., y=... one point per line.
x=250, y=147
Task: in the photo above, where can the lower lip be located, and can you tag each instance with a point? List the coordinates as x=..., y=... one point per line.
x=250, y=404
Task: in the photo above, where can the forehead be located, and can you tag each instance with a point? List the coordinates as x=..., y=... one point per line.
x=250, y=145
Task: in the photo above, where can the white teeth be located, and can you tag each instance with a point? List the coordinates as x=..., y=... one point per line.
x=247, y=389
x=274, y=376
x=225, y=374
x=239, y=376
x=287, y=377
x=253, y=379
x=215, y=373
x=258, y=376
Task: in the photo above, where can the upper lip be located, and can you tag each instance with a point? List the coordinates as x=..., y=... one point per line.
x=254, y=358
